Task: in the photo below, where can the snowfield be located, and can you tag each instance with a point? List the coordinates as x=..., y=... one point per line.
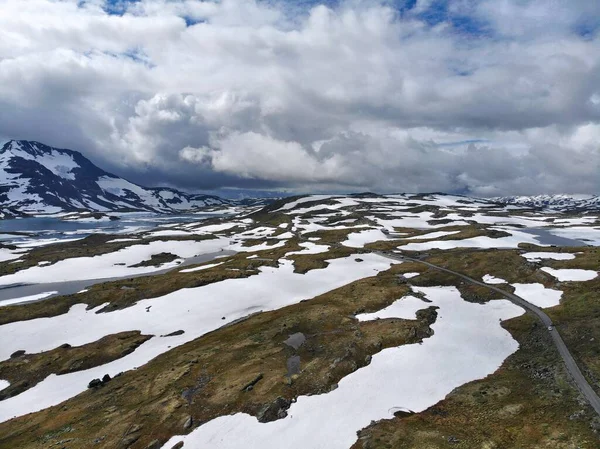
x=538, y=295
x=196, y=311
x=7, y=254
x=23, y=299
x=203, y=267
x=566, y=275
x=468, y=344
x=489, y=279
x=360, y=239
x=539, y=256
x=115, y=264
x=587, y=234
x=474, y=242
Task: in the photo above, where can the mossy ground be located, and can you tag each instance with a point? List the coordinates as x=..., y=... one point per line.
x=93, y=245
x=205, y=378
x=26, y=370
x=530, y=402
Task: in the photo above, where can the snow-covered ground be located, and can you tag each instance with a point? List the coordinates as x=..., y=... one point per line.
x=310, y=248
x=565, y=274
x=538, y=295
x=468, y=344
x=24, y=299
x=588, y=234
x=538, y=256
x=115, y=264
x=432, y=235
x=489, y=279
x=196, y=311
x=203, y=267
x=405, y=308
x=9, y=254
x=482, y=242
x=361, y=238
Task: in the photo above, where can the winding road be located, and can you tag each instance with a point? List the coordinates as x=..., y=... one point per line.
x=572, y=368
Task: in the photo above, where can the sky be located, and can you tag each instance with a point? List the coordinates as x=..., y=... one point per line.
x=478, y=97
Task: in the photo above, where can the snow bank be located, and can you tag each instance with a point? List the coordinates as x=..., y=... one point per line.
x=538, y=295
x=538, y=256
x=484, y=242
x=405, y=308
x=432, y=235
x=586, y=234
x=310, y=248
x=203, y=267
x=105, y=265
x=489, y=279
x=360, y=239
x=7, y=254
x=8, y=302
x=195, y=310
x=468, y=344
x=565, y=275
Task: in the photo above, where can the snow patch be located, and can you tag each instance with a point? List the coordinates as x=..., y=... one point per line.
x=567, y=275
x=538, y=295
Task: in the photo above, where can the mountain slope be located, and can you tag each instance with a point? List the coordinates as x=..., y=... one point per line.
x=36, y=178
x=563, y=203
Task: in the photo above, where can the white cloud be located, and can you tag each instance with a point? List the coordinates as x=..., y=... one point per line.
x=253, y=88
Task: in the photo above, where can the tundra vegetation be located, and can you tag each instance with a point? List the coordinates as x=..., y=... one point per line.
x=261, y=364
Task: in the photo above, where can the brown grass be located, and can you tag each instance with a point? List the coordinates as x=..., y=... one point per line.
x=205, y=378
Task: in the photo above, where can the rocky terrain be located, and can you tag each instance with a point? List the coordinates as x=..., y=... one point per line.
x=297, y=327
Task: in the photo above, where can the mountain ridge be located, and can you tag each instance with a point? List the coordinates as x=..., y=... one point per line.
x=556, y=202
x=37, y=178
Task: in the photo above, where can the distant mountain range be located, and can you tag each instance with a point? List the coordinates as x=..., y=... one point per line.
x=36, y=178
x=561, y=203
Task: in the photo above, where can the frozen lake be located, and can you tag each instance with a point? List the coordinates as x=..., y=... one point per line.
x=33, y=228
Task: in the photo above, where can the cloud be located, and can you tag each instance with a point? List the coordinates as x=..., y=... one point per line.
x=352, y=96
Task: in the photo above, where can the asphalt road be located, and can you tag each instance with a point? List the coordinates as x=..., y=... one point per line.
x=572, y=368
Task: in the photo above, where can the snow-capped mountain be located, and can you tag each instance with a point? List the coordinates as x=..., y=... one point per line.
x=564, y=203
x=36, y=178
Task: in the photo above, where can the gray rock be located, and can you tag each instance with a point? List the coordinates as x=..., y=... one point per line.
x=250, y=385
x=95, y=383
x=128, y=441
x=295, y=340
x=188, y=423
x=135, y=428
x=275, y=410
x=293, y=365
x=174, y=334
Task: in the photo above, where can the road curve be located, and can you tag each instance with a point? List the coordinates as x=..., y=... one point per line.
x=572, y=368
